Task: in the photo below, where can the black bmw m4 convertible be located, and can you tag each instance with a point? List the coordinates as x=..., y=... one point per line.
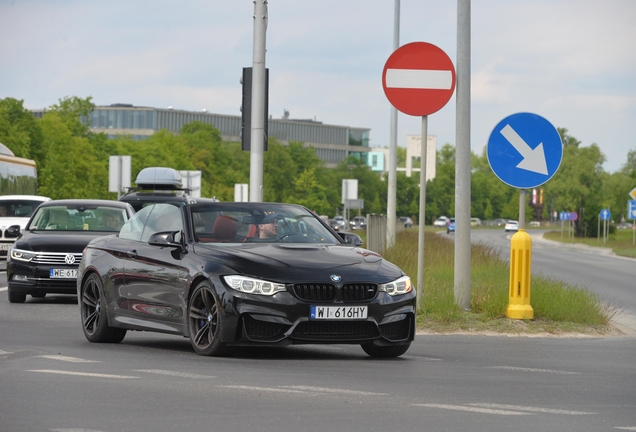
x=243, y=274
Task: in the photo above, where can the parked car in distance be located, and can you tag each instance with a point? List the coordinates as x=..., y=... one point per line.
x=450, y=226
x=440, y=222
x=534, y=224
x=624, y=225
x=408, y=222
x=511, y=225
x=202, y=272
x=499, y=222
x=339, y=223
x=45, y=257
x=475, y=222
x=359, y=223
x=15, y=210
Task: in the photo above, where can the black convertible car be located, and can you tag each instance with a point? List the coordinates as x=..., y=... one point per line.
x=243, y=274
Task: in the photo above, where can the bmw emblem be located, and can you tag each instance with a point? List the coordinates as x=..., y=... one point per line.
x=69, y=259
x=335, y=278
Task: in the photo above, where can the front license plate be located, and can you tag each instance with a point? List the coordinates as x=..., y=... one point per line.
x=63, y=273
x=5, y=247
x=338, y=312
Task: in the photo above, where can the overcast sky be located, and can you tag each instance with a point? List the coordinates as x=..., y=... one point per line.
x=570, y=61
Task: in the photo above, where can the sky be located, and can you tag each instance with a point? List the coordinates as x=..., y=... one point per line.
x=572, y=62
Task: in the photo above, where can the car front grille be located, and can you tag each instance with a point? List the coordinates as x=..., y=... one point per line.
x=56, y=258
x=335, y=330
x=329, y=293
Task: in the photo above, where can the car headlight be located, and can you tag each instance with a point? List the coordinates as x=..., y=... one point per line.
x=253, y=286
x=397, y=287
x=22, y=255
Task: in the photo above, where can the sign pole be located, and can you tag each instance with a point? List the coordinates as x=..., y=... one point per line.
x=421, y=222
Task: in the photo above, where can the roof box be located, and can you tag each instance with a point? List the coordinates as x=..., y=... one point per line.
x=159, y=178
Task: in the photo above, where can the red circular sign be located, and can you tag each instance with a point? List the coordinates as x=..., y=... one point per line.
x=418, y=78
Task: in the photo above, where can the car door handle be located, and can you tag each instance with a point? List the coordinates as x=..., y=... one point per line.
x=132, y=254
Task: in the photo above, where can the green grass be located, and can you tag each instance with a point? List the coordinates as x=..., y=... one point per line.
x=621, y=242
x=558, y=308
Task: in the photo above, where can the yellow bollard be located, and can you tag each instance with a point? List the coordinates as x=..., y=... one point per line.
x=520, y=265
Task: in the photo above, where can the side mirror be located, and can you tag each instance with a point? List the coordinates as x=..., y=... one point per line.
x=351, y=238
x=165, y=239
x=13, y=231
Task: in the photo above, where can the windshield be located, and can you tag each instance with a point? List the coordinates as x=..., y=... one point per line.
x=18, y=208
x=242, y=222
x=80, y=218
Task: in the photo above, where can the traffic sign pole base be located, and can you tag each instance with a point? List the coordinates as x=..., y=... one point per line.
x=520, y=312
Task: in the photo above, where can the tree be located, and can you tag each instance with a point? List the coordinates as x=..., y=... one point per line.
x=19, y=130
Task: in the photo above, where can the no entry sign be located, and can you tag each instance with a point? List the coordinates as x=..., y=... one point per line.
x=418, y=79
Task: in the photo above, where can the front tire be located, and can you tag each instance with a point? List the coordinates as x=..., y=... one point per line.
x=205, y=322
x=385, y=351
x=94, y=315
x=14, y=297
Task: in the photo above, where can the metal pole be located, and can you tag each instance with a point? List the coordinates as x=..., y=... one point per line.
x=392, y=191
x=257, y=136
x=420, y=231
x=522, y=209
x=462, y=159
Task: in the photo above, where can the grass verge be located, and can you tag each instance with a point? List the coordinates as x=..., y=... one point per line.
x=558, y=308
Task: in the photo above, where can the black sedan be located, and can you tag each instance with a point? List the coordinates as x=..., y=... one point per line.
x=45, y=257
x=243, y=274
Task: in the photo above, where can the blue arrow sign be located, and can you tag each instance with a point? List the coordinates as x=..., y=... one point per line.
x=631, y=209
x=605, y=214
x=524, y=150
x=564, y=216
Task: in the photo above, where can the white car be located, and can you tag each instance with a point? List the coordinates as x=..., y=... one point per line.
x=15, y=210
x=440, y=222
x=511, y=225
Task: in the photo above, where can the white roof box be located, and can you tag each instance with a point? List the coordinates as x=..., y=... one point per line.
x=159, y=178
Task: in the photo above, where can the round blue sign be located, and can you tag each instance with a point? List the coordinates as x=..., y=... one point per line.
x=524, y=150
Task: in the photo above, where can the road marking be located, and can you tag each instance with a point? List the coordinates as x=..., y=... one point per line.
x=263, y=389
x=419, y=79
x=531, y=409
x=68, y=359
x=471, y=409
x=334, y=390
x=3, y=288
x=534, y=370
x=632, y=428
x=173, y=373
x=94, y=375
x=5, y=352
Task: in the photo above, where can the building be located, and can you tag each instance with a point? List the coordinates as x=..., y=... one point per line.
x=332, y=143
x=378, y=159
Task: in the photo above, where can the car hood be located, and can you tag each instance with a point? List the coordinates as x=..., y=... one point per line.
x=298, y=262
x=6, y=222
x=56, y=241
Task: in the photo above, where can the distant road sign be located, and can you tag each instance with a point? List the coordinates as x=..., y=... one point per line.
x=524, y=150
x=605, y=214
x=418, y=78
x=633, y=193
x=574, y=216
x=631, y=209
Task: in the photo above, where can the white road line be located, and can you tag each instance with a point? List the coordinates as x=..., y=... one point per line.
x=419, y=79
x=68, y=359
x=632, y=428
x=174, y=373
x=263, y=389
x=4, y=288
x=5, y=352
x=534, y=370
x=531, y=409
x=334, y=390
x=94, y=375
x=471, y=409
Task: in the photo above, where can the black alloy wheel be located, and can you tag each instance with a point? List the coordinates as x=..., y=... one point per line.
x=385, y=351
x=205, y=322
x=94, y=315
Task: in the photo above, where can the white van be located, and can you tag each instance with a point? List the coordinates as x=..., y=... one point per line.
x=15, y=210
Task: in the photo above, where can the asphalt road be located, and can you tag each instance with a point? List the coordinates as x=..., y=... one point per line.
x=52, y=379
